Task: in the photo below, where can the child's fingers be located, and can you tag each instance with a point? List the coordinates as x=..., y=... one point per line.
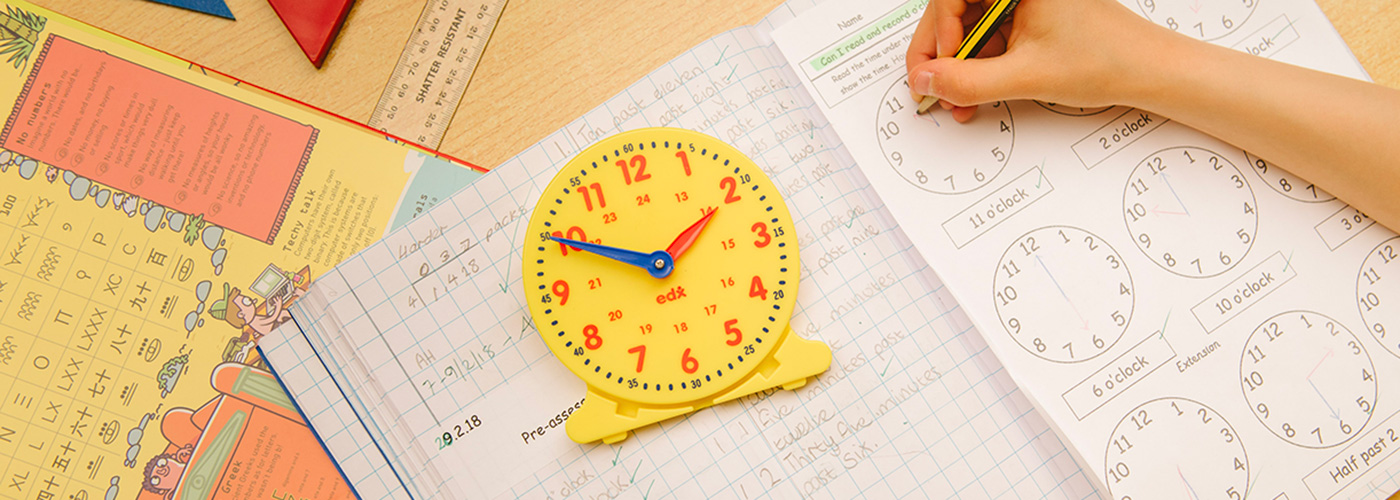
x=939, y=34
x=948, y=24
x=971, y=82
x=922, y=47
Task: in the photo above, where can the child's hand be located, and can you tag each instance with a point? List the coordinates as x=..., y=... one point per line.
x=1081, y=53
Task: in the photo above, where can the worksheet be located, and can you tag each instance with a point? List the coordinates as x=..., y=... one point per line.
x=1194, y=320
x=417, y=363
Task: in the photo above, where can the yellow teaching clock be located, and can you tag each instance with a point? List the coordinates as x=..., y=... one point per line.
x=662, y=270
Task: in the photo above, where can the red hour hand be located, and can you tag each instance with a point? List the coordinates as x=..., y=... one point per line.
x=688, y=237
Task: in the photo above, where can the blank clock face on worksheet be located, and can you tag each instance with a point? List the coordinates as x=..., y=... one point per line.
x=1202, y=19
x=1285, y=183
x=1063, y=294
x=937, y=154
x=1308, y=379
x=1175, y=448
x=1378, y=293
x=1190, y=211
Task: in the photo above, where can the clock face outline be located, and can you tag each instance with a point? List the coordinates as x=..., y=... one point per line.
x=1063, y=294
x=1377, y=289
x=1287, y=184
x=689, y=335
x=1302, y=374
x=935, y=154
x=1175, y=444
x=1191, y=211
x=1204, y=20
x=1066, y=110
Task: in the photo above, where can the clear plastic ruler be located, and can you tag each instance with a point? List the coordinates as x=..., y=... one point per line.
x=434, y=69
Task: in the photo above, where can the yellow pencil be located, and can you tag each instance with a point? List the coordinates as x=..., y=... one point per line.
x=977, y=38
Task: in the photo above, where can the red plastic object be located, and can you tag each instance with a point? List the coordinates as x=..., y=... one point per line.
x=313, y=23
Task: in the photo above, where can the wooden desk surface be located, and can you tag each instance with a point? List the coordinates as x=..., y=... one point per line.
x=547, y=63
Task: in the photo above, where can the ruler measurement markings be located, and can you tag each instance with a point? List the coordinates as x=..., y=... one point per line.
x=434, y=69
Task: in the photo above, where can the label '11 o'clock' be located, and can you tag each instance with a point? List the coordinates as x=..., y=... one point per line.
x=661, y=269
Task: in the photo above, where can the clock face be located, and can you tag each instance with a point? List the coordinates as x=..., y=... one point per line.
x=1203, y=19
x=1308, y=379
x=1072, y=110
x=1190, y=211
x=1175, y=445
x=937, y=154
x=1287, y=184
x=689, y=334
x=1063, y=294
x=1377, y=292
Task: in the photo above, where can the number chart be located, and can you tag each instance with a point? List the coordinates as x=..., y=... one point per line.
x=86, y=326
x=1194, y=318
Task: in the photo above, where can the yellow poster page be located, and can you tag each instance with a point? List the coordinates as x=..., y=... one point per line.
x=156, y=220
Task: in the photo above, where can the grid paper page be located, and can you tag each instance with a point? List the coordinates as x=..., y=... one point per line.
x=426, y=333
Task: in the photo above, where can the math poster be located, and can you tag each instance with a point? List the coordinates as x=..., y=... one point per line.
x=155, y=222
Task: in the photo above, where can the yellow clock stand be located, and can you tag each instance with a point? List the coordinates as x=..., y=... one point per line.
x=609, y=419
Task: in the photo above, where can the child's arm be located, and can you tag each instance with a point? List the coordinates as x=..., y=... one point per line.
x=1333, y=131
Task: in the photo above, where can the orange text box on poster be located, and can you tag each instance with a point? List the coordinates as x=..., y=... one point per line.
x=159, y=137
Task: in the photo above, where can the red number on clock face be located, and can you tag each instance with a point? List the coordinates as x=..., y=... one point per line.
x=638, y=161
x=731, y=329
x=756, y=289
x=761, y=230
x=561, y=290
x=564, y=249
x=588, y=200
x=591, y=339
x=685, y=162
x=689, y=364
x=730, y=184
x=641, y=351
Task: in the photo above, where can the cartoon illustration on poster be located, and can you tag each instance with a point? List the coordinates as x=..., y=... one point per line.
x=155, y=223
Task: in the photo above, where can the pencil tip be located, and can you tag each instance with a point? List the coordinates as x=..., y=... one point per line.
x=926, y=104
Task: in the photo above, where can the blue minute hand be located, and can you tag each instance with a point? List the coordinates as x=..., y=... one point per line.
x=659, y=263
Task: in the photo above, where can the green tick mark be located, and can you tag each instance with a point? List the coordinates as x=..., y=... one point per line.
x=503, y=287
x=615, y=455
x=732, y=70
x=887, y=367
x=644, y=495
x=1280, y=32
x=1162, y=333
x=634, y=471
x=1041, y=172
x=721, y=55
x=1288, y=261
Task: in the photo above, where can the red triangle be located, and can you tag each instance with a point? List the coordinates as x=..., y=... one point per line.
x=313, y=23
